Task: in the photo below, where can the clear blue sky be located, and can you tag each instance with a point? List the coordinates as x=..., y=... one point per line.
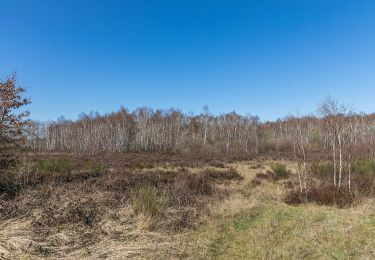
x=267, y=58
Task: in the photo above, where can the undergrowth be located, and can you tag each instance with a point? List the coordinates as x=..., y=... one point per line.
x=280, y=170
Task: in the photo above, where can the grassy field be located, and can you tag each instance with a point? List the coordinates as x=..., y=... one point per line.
x=270, y=229
x=278, y=231
x=239, y=219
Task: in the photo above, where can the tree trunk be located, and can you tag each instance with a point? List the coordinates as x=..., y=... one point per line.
x=334, y=162
x=340, y=159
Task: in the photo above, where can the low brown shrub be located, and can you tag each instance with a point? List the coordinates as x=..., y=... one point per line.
x=289, y=184
x=85, y=212
x=177, y=220
x=79, y=211
x=255, y=182
x=324, y=195
x=125, y=182
x=76, y=200
x=187, y=190
x=217, y=164
x=256, y=166
x=269, y=176
x=230, y=174
x=363, y=184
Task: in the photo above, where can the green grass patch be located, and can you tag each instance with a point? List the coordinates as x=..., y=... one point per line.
x=97, y=168
x=364, y=166
x=145, y=201
x=278, y=231
x=62, y=165
x=280, y=170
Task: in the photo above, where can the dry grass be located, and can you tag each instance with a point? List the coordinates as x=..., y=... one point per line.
x=93, y=212
x=200, y=212
x=264, y=227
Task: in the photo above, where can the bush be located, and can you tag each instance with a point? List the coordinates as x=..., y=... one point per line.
x=280, y=170
x=188, y=185
x=13, y=123
x=363, y=184
x=229, y=174
x=82, y=212
x=364, y=166
x=270, y=176
x=363, y=177
x=323, y=195
x=322, y=170
x=78, y=211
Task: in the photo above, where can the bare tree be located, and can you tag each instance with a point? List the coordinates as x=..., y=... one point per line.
x=333, y=113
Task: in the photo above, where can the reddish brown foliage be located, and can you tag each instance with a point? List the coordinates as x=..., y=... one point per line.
x=12, y=122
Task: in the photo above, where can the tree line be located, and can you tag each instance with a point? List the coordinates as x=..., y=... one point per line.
x=151, y=131
x=334, y=131
x=331, y=128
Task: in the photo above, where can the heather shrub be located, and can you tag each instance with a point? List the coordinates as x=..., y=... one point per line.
x=321, y=170
x=322, y=195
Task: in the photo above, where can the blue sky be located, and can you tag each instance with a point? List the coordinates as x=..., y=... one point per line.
x=266, y=58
